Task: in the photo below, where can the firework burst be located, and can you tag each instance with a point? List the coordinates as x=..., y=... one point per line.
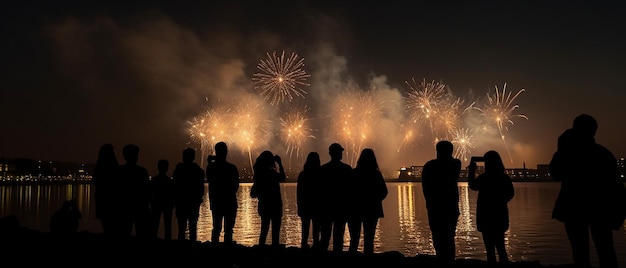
x=499, y=110
x=210, y=128
x=462, y=139
x=249, y=125
x=295, y=130
x=357, y=116
x=281, y=78
x=424, y=103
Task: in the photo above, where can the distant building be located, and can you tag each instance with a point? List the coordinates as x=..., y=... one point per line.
x=620, y=165
x=540, y=174
x=35, y=171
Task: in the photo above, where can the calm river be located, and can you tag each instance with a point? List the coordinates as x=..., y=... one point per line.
x=533, y=235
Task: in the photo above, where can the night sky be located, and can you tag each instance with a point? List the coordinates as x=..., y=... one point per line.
x=75, y=75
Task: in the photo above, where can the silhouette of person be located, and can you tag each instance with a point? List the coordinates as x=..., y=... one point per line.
x=65, y=221
x=306, y=199
x=188, y=179
x=495, y=190
x=441, y=193
x=335, y=184
x=162, y=200
x=270, y=206
x=592, y=198
x=106, y=180
x=136, y=193
x=369, y=192
x=223, y=180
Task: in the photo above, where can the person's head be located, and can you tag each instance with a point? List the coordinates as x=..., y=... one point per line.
x=335, y=151
x=444, y=149
x=265, y=160
x=221, y=150
x=585, y=125
x=189, y=155
x=493, y=162
x=131, y=153
x=312, y=161
x=367, y=159
x=163, y=165
x=106, y=155
x=69, y=205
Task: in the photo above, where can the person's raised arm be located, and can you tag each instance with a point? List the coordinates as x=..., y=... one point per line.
x=471, y=176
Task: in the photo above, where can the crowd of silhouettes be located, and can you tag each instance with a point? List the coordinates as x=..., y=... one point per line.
x=329, y=196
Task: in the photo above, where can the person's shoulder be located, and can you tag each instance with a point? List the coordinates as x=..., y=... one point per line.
x=457, y=163
x=231, y=165
x=601, y=148
x=430, y=162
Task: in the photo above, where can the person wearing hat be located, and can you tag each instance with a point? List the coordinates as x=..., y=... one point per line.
x=334, y=183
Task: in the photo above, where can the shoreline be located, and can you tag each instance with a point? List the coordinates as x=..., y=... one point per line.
x=25, y=246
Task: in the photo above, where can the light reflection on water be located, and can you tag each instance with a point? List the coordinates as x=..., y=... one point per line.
x=533, y=235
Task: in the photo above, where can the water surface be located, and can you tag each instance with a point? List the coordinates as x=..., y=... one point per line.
x=533, y=235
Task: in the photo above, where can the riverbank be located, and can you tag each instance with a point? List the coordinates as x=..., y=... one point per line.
x=30, y=247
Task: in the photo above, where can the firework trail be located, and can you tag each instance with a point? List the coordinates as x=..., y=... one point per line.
x=409, y=135
x=462, y=139
x=295, y=129
x=280, y=78
x=499, y=109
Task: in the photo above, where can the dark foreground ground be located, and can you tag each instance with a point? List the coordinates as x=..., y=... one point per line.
x=22, y=247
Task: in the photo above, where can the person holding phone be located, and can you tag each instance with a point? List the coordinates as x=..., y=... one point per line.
x=495, y=190
x=267, y=181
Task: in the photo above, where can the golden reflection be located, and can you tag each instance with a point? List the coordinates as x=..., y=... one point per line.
x=466, y=240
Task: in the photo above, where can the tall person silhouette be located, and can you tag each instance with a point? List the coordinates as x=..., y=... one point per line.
x=270, y=206
x=495, y=190
x=188, y=179
x=592, y=199
x=106, y=179
x=162, y=200
x=223, y=180
x=306, y=199
x=136, y=193
x=440, y=178
x=335, y=184
x=369, y=191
